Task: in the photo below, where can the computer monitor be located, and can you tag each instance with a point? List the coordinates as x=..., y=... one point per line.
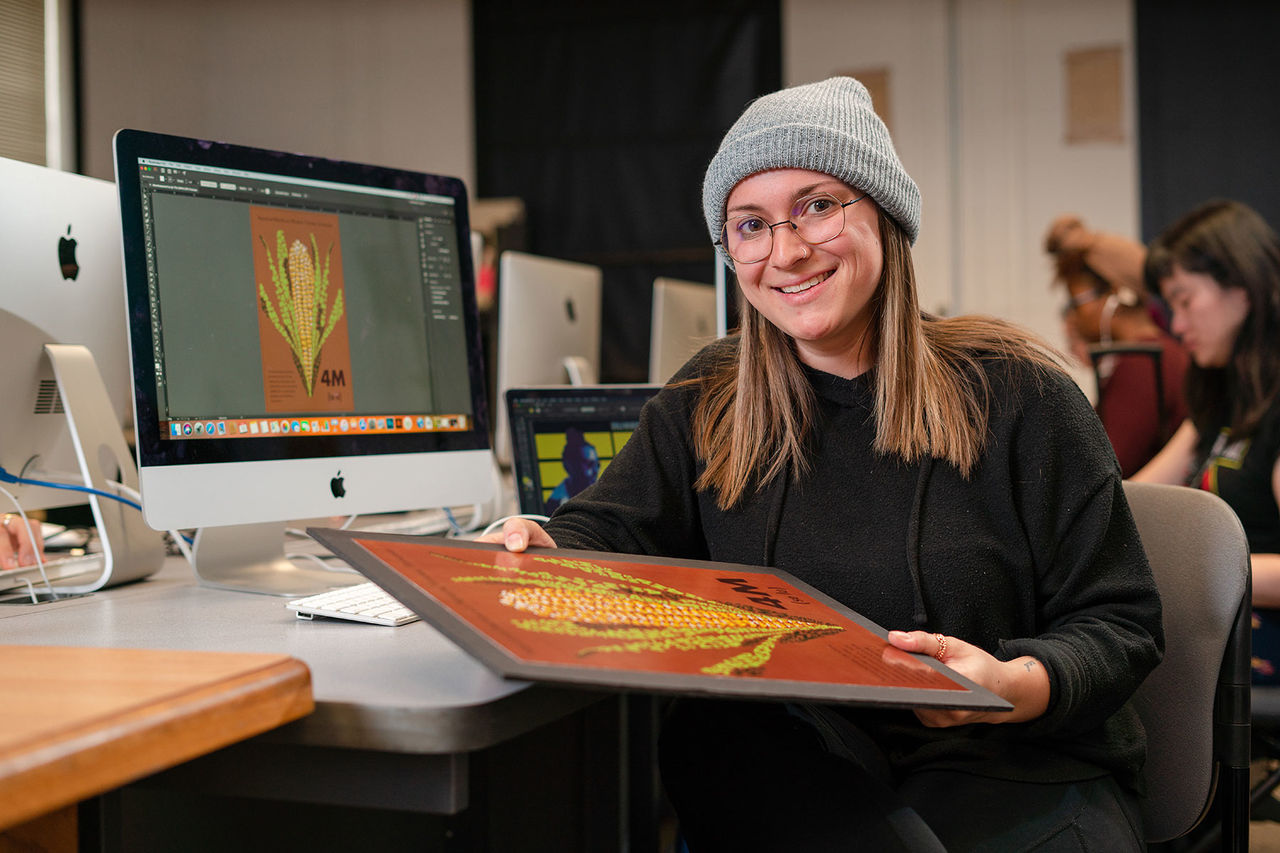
x=62, y=285
x=683, y=322
x=304, y=343
x=548, y=328
x=563, y=437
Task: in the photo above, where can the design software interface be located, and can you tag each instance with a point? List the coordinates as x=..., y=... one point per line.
x=286, y=305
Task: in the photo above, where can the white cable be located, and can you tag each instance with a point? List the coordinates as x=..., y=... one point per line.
x=132, y=494
x=501, y=521
x=39, y=559
x=327, y=566
x=181, y=542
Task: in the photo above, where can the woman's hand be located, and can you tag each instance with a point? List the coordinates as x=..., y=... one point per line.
x=518, y=534
x=1022, y=681
x=19, y=543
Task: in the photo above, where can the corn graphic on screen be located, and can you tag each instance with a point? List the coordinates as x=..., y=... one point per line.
x=632, y=622
x=315, y=314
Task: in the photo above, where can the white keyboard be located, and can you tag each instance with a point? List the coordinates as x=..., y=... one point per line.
x=365, y=602
x=56, y=568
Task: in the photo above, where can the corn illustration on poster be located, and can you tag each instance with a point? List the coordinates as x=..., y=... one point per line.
x=302, y=317
x=629, y=622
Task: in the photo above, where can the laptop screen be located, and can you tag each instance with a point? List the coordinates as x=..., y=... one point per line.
x=563, y=437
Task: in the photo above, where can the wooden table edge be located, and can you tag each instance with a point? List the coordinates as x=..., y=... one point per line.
x=84, y=761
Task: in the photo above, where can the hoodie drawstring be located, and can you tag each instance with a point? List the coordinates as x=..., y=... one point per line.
x=921, y=615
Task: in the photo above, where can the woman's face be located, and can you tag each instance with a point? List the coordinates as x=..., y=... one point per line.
x=1206, y=316
x=817, y=294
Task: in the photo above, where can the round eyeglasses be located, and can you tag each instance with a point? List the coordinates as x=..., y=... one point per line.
x=815, y=218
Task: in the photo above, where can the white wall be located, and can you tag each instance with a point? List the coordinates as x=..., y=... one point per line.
x=378, y=81
x=977, y=91
x=977, y=94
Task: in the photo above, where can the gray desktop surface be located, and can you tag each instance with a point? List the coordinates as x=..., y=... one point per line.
x=405, y=689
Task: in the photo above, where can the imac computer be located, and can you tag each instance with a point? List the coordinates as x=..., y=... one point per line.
x=304, y=344
x=65, y=376
x=548, y=328
x=684, y=321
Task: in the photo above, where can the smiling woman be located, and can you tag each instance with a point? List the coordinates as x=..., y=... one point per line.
x=943, y=477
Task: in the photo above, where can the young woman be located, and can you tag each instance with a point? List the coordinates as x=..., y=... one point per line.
x=942, y=477
x=1140, y=398
x=1219, y=269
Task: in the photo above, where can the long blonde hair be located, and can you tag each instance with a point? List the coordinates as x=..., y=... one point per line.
x=754, y=418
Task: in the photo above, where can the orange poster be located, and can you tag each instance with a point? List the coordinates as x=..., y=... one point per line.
x=302, y=320
x=642, y=623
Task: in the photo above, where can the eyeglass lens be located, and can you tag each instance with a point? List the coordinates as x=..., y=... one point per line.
x=815, y=219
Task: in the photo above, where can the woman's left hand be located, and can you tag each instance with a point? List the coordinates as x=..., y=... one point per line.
x=1022, y=681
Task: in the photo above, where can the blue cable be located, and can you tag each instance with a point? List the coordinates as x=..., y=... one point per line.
x=456, y=528
x=6, y=477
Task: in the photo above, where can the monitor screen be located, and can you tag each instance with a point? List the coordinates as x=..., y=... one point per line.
x=60, y=250
x=564, y=437
x=548, y=328
x=303, y=334
x=683, y=322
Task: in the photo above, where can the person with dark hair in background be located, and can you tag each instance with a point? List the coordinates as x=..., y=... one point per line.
x=581, y=465
x=1140, y=398
x=1219, y=269
x=942, y=476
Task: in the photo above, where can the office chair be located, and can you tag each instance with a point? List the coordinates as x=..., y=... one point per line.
x=1099, y=353
x=1195, y=704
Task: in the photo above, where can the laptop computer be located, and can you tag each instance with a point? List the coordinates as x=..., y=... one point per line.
x=563, y=437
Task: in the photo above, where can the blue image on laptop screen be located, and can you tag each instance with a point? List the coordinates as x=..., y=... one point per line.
x=563, y=437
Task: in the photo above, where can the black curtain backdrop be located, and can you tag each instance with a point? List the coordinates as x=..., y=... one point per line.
x=603, y=119
x=1208, y=120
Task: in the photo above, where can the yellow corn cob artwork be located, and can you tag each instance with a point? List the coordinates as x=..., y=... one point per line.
x=300, y=311
x=639, y=615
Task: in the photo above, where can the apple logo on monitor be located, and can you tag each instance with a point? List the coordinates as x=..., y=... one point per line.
x=67, y=256
x=335, y=486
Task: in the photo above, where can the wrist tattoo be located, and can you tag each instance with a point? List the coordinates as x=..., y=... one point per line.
x=1030, y=665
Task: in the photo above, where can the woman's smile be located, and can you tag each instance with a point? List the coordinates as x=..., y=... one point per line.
x=806, y=285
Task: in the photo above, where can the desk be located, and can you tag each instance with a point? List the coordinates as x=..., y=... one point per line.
x=76, y=722
x=401, y=710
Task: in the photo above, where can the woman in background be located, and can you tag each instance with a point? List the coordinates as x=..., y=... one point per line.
x=1140, y=398
x=1219, y=270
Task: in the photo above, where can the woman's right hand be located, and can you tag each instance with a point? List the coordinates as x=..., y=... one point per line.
x=518, y=534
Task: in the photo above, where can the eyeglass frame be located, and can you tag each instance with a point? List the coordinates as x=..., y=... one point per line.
x=794, y=228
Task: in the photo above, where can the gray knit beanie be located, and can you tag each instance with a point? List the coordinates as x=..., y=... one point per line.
x=827, y=127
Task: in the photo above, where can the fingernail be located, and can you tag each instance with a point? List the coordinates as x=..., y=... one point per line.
x=515, y=542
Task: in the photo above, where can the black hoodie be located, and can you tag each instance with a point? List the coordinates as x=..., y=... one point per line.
x=1035, y=553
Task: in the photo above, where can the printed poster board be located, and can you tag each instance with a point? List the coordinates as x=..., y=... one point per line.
x=637, y=623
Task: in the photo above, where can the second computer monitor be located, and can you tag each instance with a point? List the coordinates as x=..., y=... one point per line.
x=684, y=321
x=548, y=328
x=62, y=283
